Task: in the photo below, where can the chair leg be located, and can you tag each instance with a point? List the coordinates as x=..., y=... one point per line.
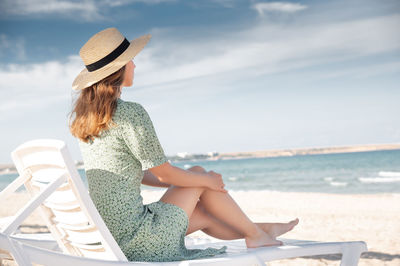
x=260, y=261
x=351, y=255
x=17, y=255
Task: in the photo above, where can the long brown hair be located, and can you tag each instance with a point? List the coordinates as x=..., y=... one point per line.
x=95, y=106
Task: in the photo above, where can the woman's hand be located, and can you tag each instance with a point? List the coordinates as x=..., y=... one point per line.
x=215, y=182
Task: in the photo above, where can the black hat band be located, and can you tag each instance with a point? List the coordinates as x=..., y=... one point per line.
x=110, y=57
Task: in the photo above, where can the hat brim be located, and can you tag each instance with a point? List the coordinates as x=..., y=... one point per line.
x=86, y=78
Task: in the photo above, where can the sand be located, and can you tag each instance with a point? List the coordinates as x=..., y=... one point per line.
x=323, y=217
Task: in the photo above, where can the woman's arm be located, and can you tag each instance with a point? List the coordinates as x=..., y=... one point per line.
x=167, y=173
x=151, y=180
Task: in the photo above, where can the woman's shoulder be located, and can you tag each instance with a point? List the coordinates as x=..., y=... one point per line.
x=128, y=106
x=121, y=104
x=129, y=109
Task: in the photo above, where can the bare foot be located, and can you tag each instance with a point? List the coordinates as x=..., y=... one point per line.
x=277, y=229
x=262, y=239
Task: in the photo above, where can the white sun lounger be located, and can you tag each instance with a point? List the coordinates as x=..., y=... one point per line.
x=50, y=176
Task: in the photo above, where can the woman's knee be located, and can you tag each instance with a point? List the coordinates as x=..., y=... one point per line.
x=197, y=168
x=184, y=197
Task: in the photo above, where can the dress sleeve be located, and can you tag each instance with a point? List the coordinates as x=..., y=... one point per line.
x=140, y=136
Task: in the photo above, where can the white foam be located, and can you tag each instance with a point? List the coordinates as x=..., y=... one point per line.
x=338, y=184
x=232, y=178
x=379, y=179
x=186, y=166
x=390, y=174
x=328, y=178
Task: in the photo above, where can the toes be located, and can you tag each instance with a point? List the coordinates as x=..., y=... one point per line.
x=295, y=221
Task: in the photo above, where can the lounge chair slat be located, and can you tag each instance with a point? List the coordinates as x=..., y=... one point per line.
x=77, y=217
x=84, y=237
x=78, y=227
x=39, y=158
x=63, y=207
x=95, y=248
x=47, y=173
x=62, y=197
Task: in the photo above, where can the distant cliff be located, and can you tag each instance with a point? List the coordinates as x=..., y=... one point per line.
x=307, y=151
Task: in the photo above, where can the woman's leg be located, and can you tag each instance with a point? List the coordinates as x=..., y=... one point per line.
x=273, y=229
x=221, y=206
x=277, y=229
x=204, y=221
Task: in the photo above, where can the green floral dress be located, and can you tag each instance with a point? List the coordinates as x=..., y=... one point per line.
x=114, y=165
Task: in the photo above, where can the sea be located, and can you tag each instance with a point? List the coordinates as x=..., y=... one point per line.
x=341, y=173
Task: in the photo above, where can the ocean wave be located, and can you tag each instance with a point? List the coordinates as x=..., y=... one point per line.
x=186, y=166
x=388, y=174
x=379, y=179
x=329, y=179
x=338, y=184
x=232, y=178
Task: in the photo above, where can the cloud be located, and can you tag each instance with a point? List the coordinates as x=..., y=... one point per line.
x=265, y=49
x=35, y=85
x=89, y=10
x=225, y=3
x=284, y=7
x=114, y=3
x=15, y=47
x=219, y=62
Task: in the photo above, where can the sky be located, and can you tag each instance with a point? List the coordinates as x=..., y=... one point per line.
x=217, y=75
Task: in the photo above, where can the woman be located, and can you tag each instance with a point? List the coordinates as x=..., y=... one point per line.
x=120, y=150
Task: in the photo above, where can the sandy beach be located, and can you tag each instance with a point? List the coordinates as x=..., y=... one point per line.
x=323, y=217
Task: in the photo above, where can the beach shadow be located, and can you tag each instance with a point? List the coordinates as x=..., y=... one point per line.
x=33, y=228
x=380, y=256
x=365, y=255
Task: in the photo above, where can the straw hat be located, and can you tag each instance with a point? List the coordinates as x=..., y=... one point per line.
x=104, y=53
